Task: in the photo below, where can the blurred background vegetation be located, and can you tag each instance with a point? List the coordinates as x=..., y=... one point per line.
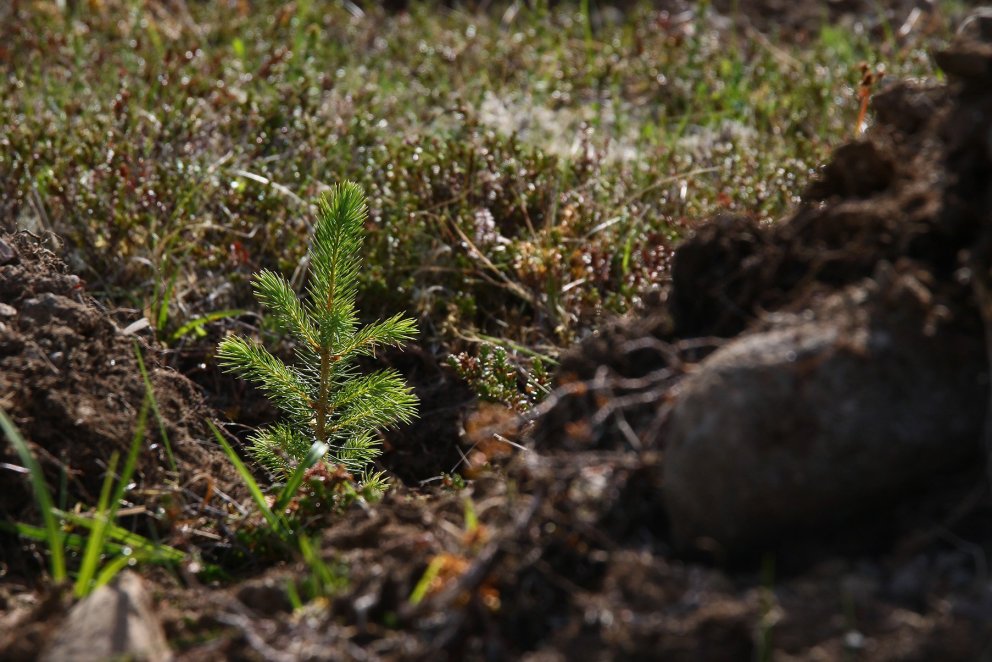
x=529, y=167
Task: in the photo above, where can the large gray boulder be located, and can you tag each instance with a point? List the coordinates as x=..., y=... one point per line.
x=821, y=414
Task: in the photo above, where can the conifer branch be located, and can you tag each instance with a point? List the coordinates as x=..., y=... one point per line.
x=250, y=360
x=272, y=446
x=276, y=294
x=374, y=400
x=394, y=332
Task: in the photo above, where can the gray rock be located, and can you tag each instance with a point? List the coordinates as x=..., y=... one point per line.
x=7, y=253
x=821, y=415
x=114, y=622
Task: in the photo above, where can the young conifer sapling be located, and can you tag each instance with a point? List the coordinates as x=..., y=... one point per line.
x=324, y=396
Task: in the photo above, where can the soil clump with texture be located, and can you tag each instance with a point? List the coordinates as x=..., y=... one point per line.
x=69, y=379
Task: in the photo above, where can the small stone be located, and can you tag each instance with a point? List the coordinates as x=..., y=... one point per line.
x=6, y=310
x=115, y=622
x=854, y=640
x=7, y=253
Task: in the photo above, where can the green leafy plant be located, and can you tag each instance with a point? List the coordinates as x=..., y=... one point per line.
x=326, y=399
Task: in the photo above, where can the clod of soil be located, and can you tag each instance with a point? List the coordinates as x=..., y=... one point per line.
x=69, y=379
x=825, y=377
x=824, y=415
x=852, y=362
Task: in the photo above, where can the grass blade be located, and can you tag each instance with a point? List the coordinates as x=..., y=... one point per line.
x=424, y=584
x=141, y=547
x=106, y=511
x=294, y=595
x=196, y=325
x=39, y=534
x=132, y=455
x=324, y=579
x=162, y=316
x=98, y=536
x=110, y=571
x=256, y=492
x=150, y=392
x=316, y=452
x=53, y=533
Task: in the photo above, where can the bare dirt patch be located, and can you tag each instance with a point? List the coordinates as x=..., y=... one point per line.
x=70, y=381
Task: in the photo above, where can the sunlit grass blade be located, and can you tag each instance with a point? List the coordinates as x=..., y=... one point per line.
x=274, y=521
x=424, y=584
x=141, y=548
x=117, y=539
x=196, y=325
x=95, y=545
x=109, y=571
x=53, y=533
x=71, y=541
x=107, y=507
x=294, y=595
x=471, y=517
x=162, y=314
x=316, y=452
x=150, y=391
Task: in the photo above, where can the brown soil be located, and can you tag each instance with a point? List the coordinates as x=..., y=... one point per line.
x=573, y=558
x=69, y=379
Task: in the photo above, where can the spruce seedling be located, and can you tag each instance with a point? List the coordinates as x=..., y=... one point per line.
x=326, y=400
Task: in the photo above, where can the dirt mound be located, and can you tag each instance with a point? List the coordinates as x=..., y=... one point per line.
x=827, y=371
x=911, y=195
x=911, y=199
x=69, y=379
